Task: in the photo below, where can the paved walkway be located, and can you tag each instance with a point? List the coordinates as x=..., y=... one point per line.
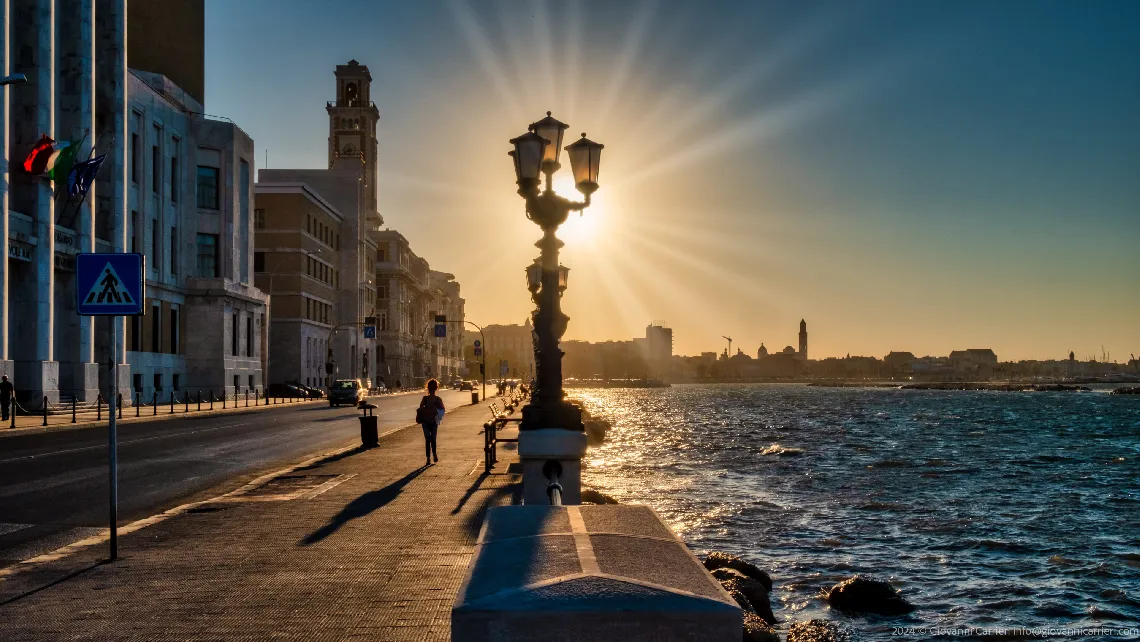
x=360, y=545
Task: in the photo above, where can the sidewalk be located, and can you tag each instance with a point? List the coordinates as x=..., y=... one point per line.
x=359, y=545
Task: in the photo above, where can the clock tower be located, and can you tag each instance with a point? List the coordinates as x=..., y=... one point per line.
x=352, y=126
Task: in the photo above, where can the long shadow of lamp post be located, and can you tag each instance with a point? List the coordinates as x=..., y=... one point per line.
x=537, y=151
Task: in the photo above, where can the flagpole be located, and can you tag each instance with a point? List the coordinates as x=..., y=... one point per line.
x=90, y=155
x=59, y=218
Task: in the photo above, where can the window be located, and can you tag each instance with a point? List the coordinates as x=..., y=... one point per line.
x=136, y=333
x=137, y=381
x=136, y=148
x=237, y=384
x=234, y=336
x=173, y=251
x=382, y=291
x=259, y=218
x=207, y=255
x=207, y=187
x=380, y=255
x=173, y=331
x=250, y=379
x=308, y=308
x=158, y=383
x=259, y=261
x=249, y=336
x=174, y=382
x=156, y=162
x=136, y=223
x=156, y=328
x=154, y=245
x=174, y=182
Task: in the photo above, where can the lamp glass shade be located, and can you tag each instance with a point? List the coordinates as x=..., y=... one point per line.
x=534, y=276
x=563, y=277
x=551, y=130
x=585, y=156
x=528, y=152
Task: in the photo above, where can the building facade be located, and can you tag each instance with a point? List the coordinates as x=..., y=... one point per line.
x=297, y=260
x=80, y=89
x=511, y=343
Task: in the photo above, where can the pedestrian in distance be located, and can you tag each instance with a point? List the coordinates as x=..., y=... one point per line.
x=6, y=390
x=428, y=416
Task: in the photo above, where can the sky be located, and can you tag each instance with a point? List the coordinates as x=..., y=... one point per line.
x=909, y=175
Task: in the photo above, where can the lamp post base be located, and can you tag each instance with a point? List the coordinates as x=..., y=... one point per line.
x=538, y=415
x=537, y=448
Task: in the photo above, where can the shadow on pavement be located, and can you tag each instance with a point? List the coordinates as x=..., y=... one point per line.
x=474, y=521
x=362, y=506
x=333, y=458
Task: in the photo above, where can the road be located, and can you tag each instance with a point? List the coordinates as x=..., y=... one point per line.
x=54, y=485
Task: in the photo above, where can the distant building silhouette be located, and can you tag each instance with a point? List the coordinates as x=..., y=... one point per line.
x=762, y=352
x=803, y=354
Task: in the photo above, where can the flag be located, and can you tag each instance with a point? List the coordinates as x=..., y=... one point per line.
x=59, y=165
x=82, y=174
x=37, y=160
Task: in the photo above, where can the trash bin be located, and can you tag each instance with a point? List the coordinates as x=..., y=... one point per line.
x=474, y=397
x=369, y=436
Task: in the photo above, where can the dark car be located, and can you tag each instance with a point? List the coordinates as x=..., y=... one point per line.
x=310, y=392
x=284, y=390
x=346, y=391
x=467, y=385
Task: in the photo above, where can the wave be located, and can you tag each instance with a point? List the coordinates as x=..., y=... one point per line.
x=781, y=451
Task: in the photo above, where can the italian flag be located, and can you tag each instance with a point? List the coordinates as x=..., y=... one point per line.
x=50, y=156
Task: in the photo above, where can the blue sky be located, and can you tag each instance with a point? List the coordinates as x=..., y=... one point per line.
x=909, y=175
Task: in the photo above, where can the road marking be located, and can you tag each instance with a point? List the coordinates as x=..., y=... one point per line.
x=67, y=451
x=582, y=542
x=104, y=534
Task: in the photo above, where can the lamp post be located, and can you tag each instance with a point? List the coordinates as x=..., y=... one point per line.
x=562, y=439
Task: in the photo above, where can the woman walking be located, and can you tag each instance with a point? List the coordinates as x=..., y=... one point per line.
x=428, y=416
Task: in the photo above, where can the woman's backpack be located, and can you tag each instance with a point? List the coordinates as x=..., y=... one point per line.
x=425, y=414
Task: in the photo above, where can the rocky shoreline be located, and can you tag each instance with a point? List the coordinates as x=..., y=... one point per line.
x=963, y=385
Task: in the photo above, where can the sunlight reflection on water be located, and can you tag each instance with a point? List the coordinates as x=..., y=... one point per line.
x=961, y=499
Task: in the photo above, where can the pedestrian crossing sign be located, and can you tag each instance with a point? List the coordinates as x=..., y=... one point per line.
x=109, y=284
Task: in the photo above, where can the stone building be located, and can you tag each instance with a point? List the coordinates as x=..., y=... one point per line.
x=512, y=343
x=297, y=261
x=82, y=87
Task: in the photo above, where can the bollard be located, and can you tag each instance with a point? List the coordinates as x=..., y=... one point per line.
x=73, y=410
x=119, y=401
x=138, y=402
x=186, y=400
x=45, y=411
x=211, y=400
x=99, y=408
x=154, y=403
x=255, y=399
x=224, y=395
x=246, y=398
x=172, y=402
x=199, y=401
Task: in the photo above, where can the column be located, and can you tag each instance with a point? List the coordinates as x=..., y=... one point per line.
x=5, y=69
x=75, y=42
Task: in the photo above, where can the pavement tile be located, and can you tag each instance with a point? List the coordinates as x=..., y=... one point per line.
x=379, y=556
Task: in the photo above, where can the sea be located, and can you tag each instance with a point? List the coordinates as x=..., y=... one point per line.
x=1010, y=515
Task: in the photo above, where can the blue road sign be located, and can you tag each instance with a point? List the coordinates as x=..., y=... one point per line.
x=110, y=284
x=369, y=332
x=478, y=343
x=440, y=330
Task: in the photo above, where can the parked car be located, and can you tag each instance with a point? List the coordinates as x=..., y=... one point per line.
x=284, y=390
x=310, y=392
x=346, y=391
x=467, y=385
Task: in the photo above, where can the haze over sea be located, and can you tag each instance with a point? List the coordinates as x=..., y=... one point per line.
x=986, y=509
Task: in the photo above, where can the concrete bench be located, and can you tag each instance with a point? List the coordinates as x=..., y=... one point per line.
x=582, y=573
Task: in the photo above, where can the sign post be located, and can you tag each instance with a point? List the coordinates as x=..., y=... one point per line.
x=111, y=285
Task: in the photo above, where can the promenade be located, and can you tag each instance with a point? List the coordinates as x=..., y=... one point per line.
x=352, y=545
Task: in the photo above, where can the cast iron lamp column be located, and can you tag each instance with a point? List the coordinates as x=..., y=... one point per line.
x=535, y=151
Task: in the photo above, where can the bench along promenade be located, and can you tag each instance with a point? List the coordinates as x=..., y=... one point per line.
x=352, y=544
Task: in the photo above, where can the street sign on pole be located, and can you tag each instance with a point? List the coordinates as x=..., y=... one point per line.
x=369, y=332
x=478, y=351
x=478, y=344
x=440, y=326
x=111, y=285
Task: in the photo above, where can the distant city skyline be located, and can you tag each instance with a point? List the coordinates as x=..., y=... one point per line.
x=906, y=176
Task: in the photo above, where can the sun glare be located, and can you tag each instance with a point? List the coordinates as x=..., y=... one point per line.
x=582, y=228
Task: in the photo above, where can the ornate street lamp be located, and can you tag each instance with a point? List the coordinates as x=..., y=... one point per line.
x=538, y=151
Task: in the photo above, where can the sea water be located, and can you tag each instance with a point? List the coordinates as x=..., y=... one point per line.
x=989, y=510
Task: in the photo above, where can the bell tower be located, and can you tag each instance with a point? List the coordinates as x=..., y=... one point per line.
x=803, y=340
x=352, y=126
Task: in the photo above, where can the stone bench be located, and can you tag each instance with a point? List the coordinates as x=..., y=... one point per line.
x=583, y=573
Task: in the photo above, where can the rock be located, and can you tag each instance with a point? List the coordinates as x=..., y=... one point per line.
x=756, y=594
x=725, y=573
x=862, y=594
x=742, y=600
x=716, y=559
x=1127, y=391
x=757, y=630
x=818, y=631
x=591, y=496
x=596, y=430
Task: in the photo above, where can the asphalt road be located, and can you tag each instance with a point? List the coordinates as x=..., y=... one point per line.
x=54, y=485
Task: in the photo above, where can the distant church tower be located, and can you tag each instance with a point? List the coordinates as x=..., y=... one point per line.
x=803, y=340
x=352, y=126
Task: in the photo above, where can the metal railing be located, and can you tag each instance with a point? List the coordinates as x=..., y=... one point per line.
x=552, y=470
